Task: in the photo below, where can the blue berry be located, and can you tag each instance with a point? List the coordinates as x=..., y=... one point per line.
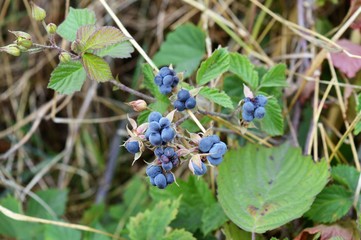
x=164, y=71
x=158, y=80
x=164, y=122
x=175, y=161
x=154, y=117
x=214, y=161
x=207, y=142
x=190, y=103
x=247, y=99
x=261, y=101
x=155, y=139
x=168, y=134
x=158, y=151
x=153, y=170
x=179, y=105
x=164, y=89
x=199, y=171
x=169, y=152
x=170, y=178
x=167, y=166
x=154, y=127
x=248, y=107
x=247, y=117
x=147, y=134
x=132, y=147
x=151, y=180
x=168, y=80
x=175, y=81
x=259, y=112
x=218, y=150
x=183, y=95
x=164, y=159
x=160, y=181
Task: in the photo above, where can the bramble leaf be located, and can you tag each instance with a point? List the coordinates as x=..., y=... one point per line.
x=96, y=68
x=84, y=32
x=68, y=77
x=214, y=66
x=275, y=77
x=272, y=123
x=184, y=48
x=119, y=50
x=179, y=234
x=346, y=175
x=219, y=97
x=75, y=19
x=243, y=68
x=263, y=188
x=103, y=37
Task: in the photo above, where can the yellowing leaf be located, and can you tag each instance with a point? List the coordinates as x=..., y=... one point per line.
x=96, y=68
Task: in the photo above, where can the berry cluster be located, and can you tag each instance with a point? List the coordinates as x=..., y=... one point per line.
x=158, y=178
x=215, y=147
x=254, y=108
x=166, y=79
x=184, y=101
x=132, y=147
x=159, y=131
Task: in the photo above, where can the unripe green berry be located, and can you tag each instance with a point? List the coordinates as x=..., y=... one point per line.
x=64, y=57
x=37, y=12
x=23, y=40
x=51, y=28
x=11, y=49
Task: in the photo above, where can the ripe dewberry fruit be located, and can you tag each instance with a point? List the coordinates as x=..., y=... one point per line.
x=154, y=127
x=167, y=166
x=183, y=95
x=164, y=71
x=165, y=89
x=164, y=122
x=160, y=181
x=153, y=170
x=214, y=161
x=158, y=80
x=167, y=134
x=155, y=139
x=207, y=142
x=154, y=117
x=261, y=101
x=168, y=80
x=259, y=112
x=170, y=178
x=218, y=150
x=132, y=147
x=158, y=151
x=248, y=107
x=247, y=117
x=164, y=159
x=180, y=106
x=190, y=103
x=169, y=152
x=199, y=171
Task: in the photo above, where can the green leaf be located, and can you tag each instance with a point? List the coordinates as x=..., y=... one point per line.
x=143, y=117
x=55, y=198
x=213, y=217
x=243, y=68
x=214, y=66
x=61, y=233
x=331, y=204
x=67, y=78
x=275, y=77
x=119, y=50
x=84, y=32
x=75, y=19
x=96, y=68
x=184, y=48
x=263, y=188
x=272, y=123
x=179, y=234
x=346, y=175
x=192, y=127
x=216, y=96
x=151, y=224
x=103, y=37
x=357, y=129
x=162, y=102
x=233, y=232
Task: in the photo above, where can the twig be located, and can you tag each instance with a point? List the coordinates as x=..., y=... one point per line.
x=121, y=86
x=195, y=119
x=222, y=115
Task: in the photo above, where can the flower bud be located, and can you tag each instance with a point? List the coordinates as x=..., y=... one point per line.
x=11, y=49
x=24, y=43
x=51, y=28
x=138, y=105
x=37, y=12
x=76, y=47
x=64, y=57
x=23, y=39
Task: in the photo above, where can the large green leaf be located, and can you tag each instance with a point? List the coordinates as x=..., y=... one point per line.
x=243, y=68
x=75, y=19
x=272, y=123
x=214, y=66
x=275, y=77
x=96, y=68
x=216, y=96
x=119, y=50
x=331, y=204
x=103, y=37
x=67, y=77
x=346, y=175
x=60, y=233
x=55, y=198
x=151, y=224
x=184, y=48
x=263, y=188
x=179, y=234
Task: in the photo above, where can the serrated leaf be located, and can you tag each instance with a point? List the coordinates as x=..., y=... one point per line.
x=96, y=68
x=357, y=129
x=216, y=96
x=61, y=233
x=179, y=234
x=263, y=188
x=214, y=66
x=184, y=48
x=119, y=50
x=272, y=123
x=151, y=224
x=275, y=77
x=213, y=217
x=67, y=78
x=331, y=204
x=346, y=175
x=243, y=68
x=103, y=37
x=233, y=232
x=84, y=32
x=55, y=198
x=75, y=19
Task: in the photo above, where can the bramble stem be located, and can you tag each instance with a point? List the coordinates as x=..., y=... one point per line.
x=195, y=119
x=132, y=91
x=222, y=115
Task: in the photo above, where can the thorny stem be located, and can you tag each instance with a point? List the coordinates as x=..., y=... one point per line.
x=222, y=115
x=132, y=91
x=56, y=47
